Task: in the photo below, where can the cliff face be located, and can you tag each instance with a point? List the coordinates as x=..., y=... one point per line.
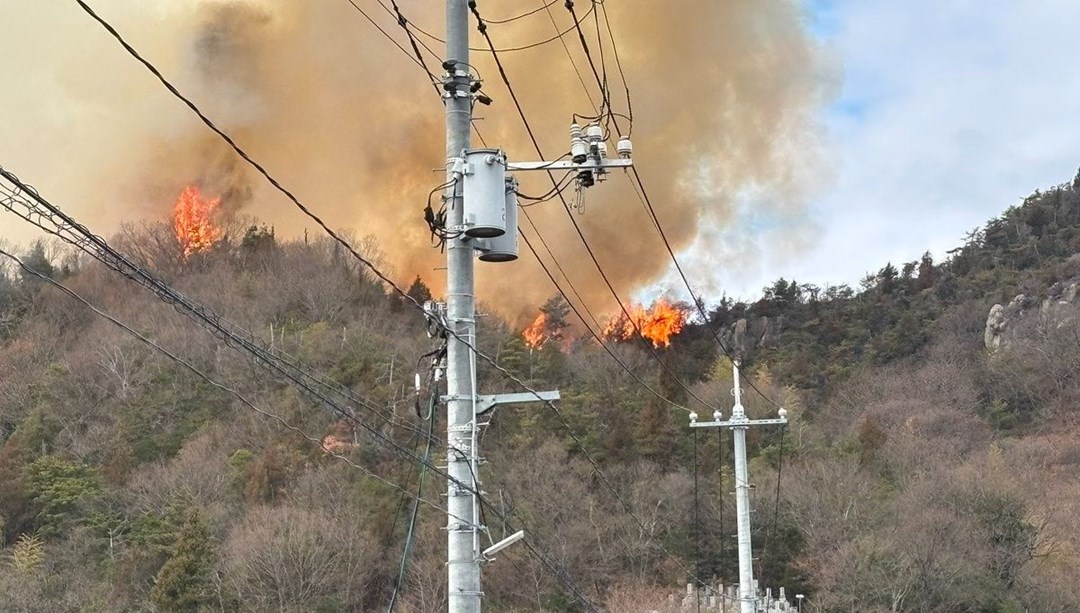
x=1053, y=309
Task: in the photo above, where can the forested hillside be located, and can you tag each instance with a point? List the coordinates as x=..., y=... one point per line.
x=920, y=472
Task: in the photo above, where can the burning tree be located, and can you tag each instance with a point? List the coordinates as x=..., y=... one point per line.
x=195, y=230
x=549, y=324
x=658, y=324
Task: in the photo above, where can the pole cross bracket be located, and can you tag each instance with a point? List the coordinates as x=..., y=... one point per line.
x=485, y=403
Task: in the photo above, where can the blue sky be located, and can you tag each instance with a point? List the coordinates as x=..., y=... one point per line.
x=947, y=113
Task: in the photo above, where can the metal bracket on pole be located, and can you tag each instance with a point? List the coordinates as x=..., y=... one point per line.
x=570, y=165
x=488, y=402
x=738, y=423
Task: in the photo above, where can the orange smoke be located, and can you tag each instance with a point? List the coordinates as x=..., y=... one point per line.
x=536, y=333
x=194, y=229
x=658, y=324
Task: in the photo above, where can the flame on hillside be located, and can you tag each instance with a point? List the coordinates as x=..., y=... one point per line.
x=192, y=221
x=658, y=324
x=536, y=334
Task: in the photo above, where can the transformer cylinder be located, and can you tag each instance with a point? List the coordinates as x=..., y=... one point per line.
x=484, y=192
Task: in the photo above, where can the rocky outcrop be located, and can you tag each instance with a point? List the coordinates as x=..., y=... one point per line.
x=1002, y=317
x=743, y=336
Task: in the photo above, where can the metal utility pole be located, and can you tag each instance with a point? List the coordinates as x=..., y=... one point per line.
x=462, y=528
x=739, y=424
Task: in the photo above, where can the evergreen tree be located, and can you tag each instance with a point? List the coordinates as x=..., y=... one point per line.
x=37, y=261
x=183, y=583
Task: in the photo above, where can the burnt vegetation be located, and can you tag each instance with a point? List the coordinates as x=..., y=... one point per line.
x=921, y=471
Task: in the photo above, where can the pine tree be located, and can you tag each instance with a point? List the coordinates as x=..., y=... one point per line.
x=183, y=583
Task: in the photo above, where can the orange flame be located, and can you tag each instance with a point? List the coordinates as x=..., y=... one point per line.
x=536, y=333
x=658, y=324
x=191, y=221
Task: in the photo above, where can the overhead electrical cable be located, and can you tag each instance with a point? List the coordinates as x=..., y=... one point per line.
x=303, y=208
x=46, y=222
x=202, y=375
x=417, y=59
x=618, y=64
x=570, y=430
x=546, y=6
x=776, y=503
x=352, y=251
x=566, y=207
x=557, y=36
x=569, y=56
x=414, y=512
x=682, y=275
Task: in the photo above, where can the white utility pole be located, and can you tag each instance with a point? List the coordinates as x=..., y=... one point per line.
x=481, y=220
x=739, y=424
x=462, y=527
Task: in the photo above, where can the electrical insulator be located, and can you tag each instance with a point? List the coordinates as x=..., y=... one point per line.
x=503, y=248
x=483, y=188
x=578, y=150
x=624, y=147
x=595, y=133
x=601, y=148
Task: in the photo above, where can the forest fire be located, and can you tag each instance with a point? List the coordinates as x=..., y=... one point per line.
x=536, y=334
x=191, y=220
x=658, y=324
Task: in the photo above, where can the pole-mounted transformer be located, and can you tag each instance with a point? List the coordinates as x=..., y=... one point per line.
x=484, y=185
x=503, y=248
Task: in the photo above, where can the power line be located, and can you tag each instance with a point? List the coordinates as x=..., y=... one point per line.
x=557, y=36
x=418, y=59
x=570, y=57
x=202, y=375
x=566, y=208
x=397, y=289
x=644, y=196
x=546, y=6
x=596, y=336
x=70, y=224
x=24, y=202
x=618, y=64
x=600, y=82
x=776, y=507
x=407, y=548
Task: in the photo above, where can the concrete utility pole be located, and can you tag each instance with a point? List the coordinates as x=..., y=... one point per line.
x=481, y=220
x=739, y=424
x=462, y=537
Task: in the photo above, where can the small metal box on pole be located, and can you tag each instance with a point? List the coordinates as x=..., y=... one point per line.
x=484, y=187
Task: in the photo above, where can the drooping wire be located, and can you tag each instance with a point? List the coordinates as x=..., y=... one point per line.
x=368, y=264
x=569, y=56
x=557, y=36
x=205, y=377
x=644, y=196
x=402, y=451
x=299, y=205
x=418, y=59
x=603, y=275
x=723, y=534
x=436, y=220
x=695, y=532
x=622, y=75
x=776, y=507
x=574, y=437
x=547, y=5
x=414, y=513
x=552, y=193
x=601, y=81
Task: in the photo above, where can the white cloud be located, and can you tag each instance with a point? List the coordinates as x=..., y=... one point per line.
x=951, y=111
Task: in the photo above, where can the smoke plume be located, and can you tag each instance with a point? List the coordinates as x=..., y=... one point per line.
x=726, y=98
